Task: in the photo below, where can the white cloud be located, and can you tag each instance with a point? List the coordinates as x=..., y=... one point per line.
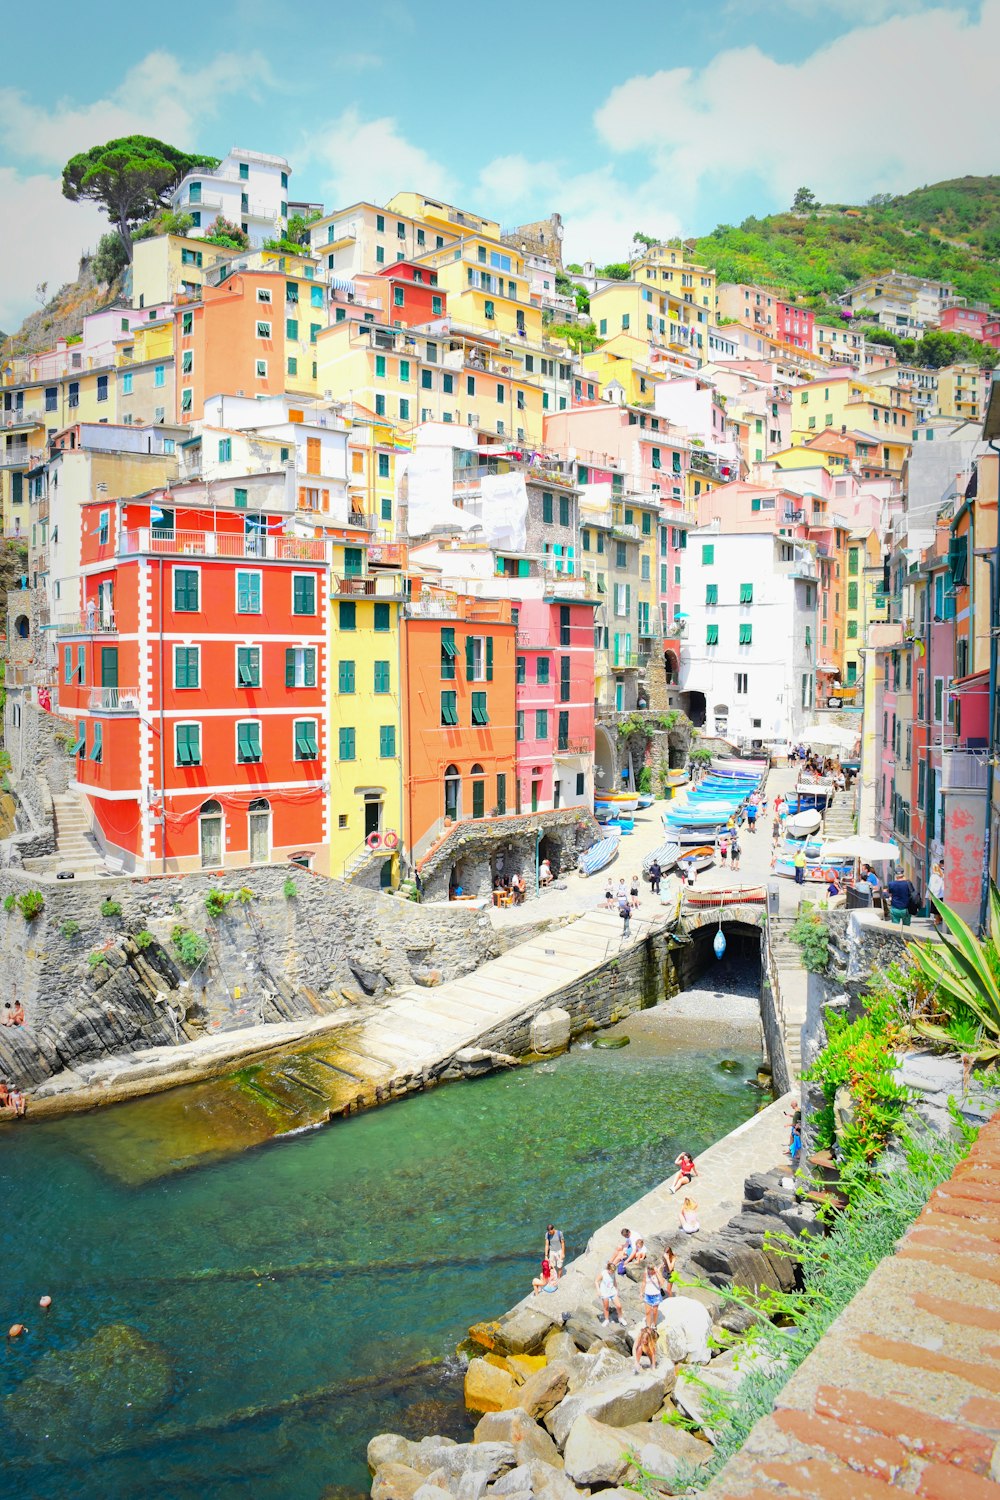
x=370, y=159
x=46, y=247
x=883, y=107
x=161, y=96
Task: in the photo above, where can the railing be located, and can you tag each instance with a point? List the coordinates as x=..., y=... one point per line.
x=15, y=458
x=626, y=533
x=581, y=745
x=533, y=639
x=567, y=586
x=360, y=521
x=964, y=770
x=20, y=418
x=91, y=623
x=373, y=586
x=625, y=660
x=387, y=554
x=114, y=700
x=223, y=544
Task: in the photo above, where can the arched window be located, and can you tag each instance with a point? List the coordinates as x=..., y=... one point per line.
x=478, y=791
x=452, y=792
x=259, y=829
x=210, y=829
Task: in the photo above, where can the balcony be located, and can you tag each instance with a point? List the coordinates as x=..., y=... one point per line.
x=21, y=418
x=387, y=555
x=222, y=544
x=626, y=661
x=567, y=587
x=533, y=640
x=114, y=700
x=92, y=623
x=625, y=533
x=373, y=586
x=581, y=745
x=361, y=522
x=964, y=770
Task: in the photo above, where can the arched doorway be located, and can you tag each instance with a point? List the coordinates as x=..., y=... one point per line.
x=605, y=761
x=478, y=791
x=671, y=667
x=259, y=827
x=21, y=627
x=693, y=704
x=452, y=793
x=210, y=833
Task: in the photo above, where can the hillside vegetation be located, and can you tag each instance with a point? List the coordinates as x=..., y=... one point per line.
x=63, y=314
x=949, y=232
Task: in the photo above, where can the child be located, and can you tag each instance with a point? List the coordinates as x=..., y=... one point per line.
x=607, y=1289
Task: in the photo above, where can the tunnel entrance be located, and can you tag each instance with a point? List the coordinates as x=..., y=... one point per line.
x=696, y=963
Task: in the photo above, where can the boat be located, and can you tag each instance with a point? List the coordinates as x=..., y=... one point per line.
x=665, y=855
x=700, y=858
x=598, y=855
x=646, y=799
x=802, y=824
x=750, y=895
x=626, y=822
x=616, y=802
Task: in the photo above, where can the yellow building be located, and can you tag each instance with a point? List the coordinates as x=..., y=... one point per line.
x=623, y=360
x=802, y=457
x=844, y=403
x=171, y=265
x=666, y=267
x=652, y=315
x=863, y=597
x=144, y=374
x=444, y=216
x=489, y=292
x=365, y=730
x=963, y=392
x=373, y=448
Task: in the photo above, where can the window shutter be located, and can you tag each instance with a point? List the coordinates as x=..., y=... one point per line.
x=489, y=658
x=290, y=667
x=469, y=657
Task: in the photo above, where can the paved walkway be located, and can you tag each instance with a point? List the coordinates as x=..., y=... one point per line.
x=902, y=1394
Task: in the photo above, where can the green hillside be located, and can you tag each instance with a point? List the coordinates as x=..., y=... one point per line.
x=818, y=254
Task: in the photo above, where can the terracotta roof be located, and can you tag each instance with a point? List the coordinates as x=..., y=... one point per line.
x=902, y=1395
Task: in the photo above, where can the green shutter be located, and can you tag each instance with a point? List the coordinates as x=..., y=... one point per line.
x=109, y=666
x=478, y=798
x=746, y=635
x=479, y=710
x=68, y=673
x=449, y=708
x=290, y=666
x=306, y=747
x=746, y=593
x=711, y=593
x=387, y=741
x=470, y=657
x=345, y=677
x=186, y=667
x=382, y=617
x=188, y=744
x=347, y=614
x=247, y=743
x=381, y=677
x=185, y=589
x=489, y=658
x=97, y=749
x=240, y=499
x=304, y=595
x=712, y=635
x=346, y=742
x=501, y=792
x=755, y=503
x=707, y=554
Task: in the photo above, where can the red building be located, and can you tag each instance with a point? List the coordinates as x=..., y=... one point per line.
x=794, y=324
x=197, y=677
x=412, y=294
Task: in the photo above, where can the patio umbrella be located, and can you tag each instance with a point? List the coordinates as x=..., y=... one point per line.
x=859, y=846
x=830, y=734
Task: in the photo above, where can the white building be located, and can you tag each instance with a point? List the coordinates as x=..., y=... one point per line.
x=748, y=667
x=247, y=188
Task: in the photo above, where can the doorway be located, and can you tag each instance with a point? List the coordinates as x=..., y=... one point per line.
x=210, y=829
x=259, y=825
x=373, y=815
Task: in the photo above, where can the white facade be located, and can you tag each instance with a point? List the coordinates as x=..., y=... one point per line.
x=316, y=446
x=750, y=607
x=247, y=188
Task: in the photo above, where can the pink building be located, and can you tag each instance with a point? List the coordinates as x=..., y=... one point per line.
x=795, y=325
x=970, y=320
x=554, y=698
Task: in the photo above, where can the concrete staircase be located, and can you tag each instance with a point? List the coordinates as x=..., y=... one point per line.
x=76, y=847
x=792, y=989
x=839, y=820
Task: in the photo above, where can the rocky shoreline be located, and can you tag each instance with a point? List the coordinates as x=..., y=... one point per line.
x=561, y=1410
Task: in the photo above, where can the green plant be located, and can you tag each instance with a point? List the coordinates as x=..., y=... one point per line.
x=143, y=939
x=812, y=935
x=130, y=178
x=963, y=976
x=289, y=890
x=245, y=895
x=224, y=232
x=97, y=958
x=646, y=779
x=5, y=763
x=700, y=755
x=191, y=946
x=110, y=908
x=663, y=775
x=70, y=929
x=31, y=903
x=217, y=901
x=632, y=723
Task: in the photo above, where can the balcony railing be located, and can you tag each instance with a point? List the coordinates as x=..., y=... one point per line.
x=360, y=521
x=566, y=586
x=93, y=622
x=625, y=533
x=223, y=544
x=114, y=700
x=579, y=745
x=964, y=770
x=625, y=660
x=373, y=586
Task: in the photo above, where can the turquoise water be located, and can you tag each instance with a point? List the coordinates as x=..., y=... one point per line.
x=288, y=1303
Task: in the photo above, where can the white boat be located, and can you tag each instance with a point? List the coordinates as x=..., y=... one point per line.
x=617, y=802
x=666, y=856
x=804, y=823
x=600, y=854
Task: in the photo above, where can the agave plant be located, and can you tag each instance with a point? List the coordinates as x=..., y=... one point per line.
x=964, y=973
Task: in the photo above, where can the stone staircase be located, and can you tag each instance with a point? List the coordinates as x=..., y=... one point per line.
x=792, y=989
x=76, y=848
x=839, y=820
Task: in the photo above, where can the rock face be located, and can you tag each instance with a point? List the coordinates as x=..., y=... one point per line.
x=550, y=1031
x=523, y=1331
x=595, y=1454
x=616, y=1402
x=530, y=1442
x=683, y=1331
x=488, y=1387
x=541, y=1391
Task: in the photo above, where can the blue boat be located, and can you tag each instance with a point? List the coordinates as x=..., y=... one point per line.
x=600, y=854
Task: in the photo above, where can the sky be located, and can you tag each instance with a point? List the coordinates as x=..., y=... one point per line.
x=667, y=119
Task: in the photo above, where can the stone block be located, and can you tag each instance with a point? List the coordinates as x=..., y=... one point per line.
x=550, y=1030
x=595, y=1453
x=530, y=1442
x=488, y=1387
x=395, y=1481
x=542, y=1391
x=683, y=1330
x=523, y=1331
x=631, y=1398
x=539, y=1480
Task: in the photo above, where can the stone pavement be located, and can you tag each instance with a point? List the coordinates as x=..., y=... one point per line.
x=902, y=1394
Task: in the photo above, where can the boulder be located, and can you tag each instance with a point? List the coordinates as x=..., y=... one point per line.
x=540, y=1480
x=550, y=1030
x=558, y=1345
x=584, y=1328
x=394, y=1481
x=488, y=1387
x=432, y=1492
x=676, y=1441
x=529, y=1441
x=595, y=1453
x=523, y=1331
x=631, y=1398
x=541, y=1391
x=695, y=1401
x=389, y=1447
x=683, y=1331
x=523, y=1365
x=489, y=1459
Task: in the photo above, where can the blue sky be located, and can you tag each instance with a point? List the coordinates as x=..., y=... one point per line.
x=669, y=120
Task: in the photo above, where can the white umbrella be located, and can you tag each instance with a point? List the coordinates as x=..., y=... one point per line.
x=859, y=846
x=830, y=734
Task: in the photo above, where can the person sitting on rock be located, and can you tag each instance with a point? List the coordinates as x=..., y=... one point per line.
x=689, y=1216
x=645, y=1346
x=625, y=1253
x=686, y=1170
x=16, y=1101
x=547, y=1281
x=17, y=1014
x=607, y=1289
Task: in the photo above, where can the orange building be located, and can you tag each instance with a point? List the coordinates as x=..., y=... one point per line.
x=459, y=715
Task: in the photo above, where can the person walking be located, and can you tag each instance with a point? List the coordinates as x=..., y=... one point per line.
x=723, y=850
x=734, y=851
x=751, y=817
x=652, y=1295
x=555, y=1248
x=800, y=866
x=633, y=892
x=667, y=1268
x=655, y=876
x=607, y=1290
x=625, y=912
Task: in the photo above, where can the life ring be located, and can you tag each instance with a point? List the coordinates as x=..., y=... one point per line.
x=374, y=841
x=389, y=840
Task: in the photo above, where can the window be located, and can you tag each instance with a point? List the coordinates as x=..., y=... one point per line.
x=541, y=723
x=621, y=555
x=263, y=330
x=746, y=593
x=479, y=658
x=489, y=311
x=159, y=377
x=426, y=380
x=387, y=741
x=519, y=724
x=852, y=560
x=547, y=507
x=382, y=677
x=291, y=328
x=404, y=409
x=248, y=666
x=380, y=366
x=520, y=669
x=187, y=744
x=260, y=369
x=187, y=324
x=404, y=370
x=126, y=389
x=852, y=596
x=380, y=223
x=248, y=750
x=303, y=594
x=480, y=714
x=186, y=666
x=345, y=744
x=382, y=618
x=300, y=666
x=104, y=528
x=187, y=361
x=746, y=635
x=449, y=707
x=500, y=394
x=186, y=590
x=345, y=677
x=707, y=554
x=437, y=306
x=542, y=670
x=742, y=683
x=383, y=466
x=398, y=296
x=711, y=593
x=564, y=510
x=711, y=635
x=225, y=450
x=448, y=653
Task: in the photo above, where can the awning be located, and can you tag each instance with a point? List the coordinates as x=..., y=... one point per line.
x=827, y=666
x=341, y=284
